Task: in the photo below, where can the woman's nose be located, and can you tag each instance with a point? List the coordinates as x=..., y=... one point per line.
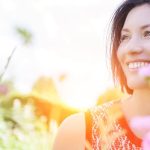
x=134, y=46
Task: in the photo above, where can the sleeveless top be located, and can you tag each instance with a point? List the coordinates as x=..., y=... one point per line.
x=107, y=129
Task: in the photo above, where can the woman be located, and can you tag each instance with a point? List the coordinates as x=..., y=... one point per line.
x=108, y=126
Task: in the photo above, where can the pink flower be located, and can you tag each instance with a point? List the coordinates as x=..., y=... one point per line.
x=142, y=125
x=3, y=89
x=146, y=142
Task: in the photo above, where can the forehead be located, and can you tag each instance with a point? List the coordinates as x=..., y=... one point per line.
x=138, y=16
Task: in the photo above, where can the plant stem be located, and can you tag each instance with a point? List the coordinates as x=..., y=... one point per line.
x=7, y=63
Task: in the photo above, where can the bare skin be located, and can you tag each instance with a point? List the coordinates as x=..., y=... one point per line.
x=71, y=134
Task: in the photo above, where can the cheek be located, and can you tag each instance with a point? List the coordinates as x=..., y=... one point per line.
x=147, y=46
x=121, y=54
x=120, y=57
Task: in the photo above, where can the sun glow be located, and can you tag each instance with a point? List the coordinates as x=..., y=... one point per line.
x=69, y=39
x=82, y=91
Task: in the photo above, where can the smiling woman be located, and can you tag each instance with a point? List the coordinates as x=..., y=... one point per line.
x=134, y=49
x=108, y=126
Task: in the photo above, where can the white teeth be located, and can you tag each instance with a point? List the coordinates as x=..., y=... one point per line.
x=135, y=65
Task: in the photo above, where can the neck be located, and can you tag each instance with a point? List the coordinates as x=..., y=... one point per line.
x=140, y=101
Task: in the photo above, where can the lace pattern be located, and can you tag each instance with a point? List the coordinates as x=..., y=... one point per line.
x=105, y=128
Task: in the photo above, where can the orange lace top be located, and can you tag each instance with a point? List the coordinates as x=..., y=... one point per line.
x=107, y=129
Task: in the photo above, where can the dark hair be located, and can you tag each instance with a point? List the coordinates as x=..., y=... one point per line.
x=118, y=20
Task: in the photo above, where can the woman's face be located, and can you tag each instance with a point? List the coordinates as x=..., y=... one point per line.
x=134, y=49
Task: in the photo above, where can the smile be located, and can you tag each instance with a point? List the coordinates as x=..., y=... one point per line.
x=136, y=65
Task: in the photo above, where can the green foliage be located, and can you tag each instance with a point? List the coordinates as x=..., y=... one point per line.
x=25, y=35
x=21, y=128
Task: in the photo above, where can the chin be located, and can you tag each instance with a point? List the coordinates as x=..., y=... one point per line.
x=138, y=85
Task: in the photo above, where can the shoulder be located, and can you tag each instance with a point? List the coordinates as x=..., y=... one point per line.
x=71, y=133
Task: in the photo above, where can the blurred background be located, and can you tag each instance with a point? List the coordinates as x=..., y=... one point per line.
x=53, y=64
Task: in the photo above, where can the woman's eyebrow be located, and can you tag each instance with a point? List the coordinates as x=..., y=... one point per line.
x=124, y=30
x=145, y=26
x=142, y=27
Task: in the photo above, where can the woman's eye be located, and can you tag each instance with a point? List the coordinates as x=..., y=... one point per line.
x=147, y=34
x=124, y=37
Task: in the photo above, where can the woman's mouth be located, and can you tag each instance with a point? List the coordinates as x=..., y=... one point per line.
x=137, y=65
